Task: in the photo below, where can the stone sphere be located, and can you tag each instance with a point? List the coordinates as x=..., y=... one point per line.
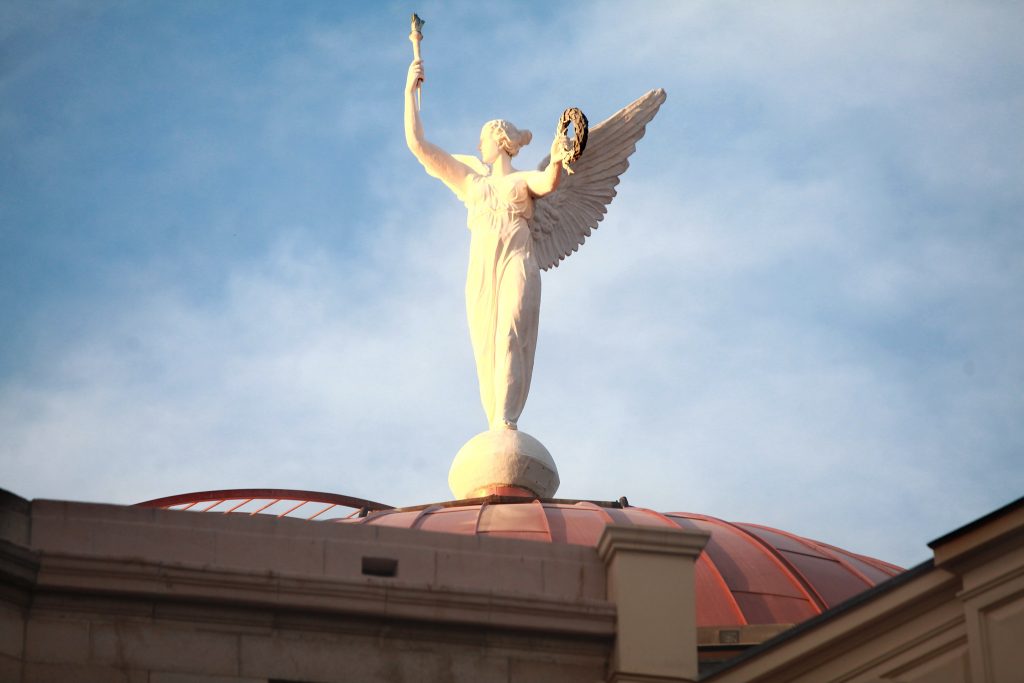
x=503, y=457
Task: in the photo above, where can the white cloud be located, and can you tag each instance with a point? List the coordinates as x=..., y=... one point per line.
x=301, y=368
x=797, y=311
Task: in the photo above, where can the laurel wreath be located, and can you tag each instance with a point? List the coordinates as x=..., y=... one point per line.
x=580, y=127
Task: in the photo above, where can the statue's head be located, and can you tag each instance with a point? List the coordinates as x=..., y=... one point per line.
x=501, y=136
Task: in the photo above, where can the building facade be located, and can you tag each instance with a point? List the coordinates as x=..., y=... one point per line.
x=116, y=593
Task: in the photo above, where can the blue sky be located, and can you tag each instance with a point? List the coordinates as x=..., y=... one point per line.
x=220, y=267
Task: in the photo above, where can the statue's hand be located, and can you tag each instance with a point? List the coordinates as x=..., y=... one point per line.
x=559, y=149
x=415, y=77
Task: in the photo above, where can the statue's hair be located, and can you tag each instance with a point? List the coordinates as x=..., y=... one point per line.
x=509, y=138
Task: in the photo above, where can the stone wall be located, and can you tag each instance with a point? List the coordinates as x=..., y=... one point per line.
x=112, y=593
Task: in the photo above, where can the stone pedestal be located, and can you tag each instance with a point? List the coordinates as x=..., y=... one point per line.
x=651, y=580
x=503, y=457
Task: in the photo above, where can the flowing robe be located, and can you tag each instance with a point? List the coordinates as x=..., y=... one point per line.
x=502, y=294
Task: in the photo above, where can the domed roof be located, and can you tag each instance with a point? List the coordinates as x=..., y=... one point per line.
x=749, y=574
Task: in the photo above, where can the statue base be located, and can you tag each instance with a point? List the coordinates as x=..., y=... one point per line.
x=502, y=458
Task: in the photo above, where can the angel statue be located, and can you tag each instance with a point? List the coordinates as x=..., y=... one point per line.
x=522, y=222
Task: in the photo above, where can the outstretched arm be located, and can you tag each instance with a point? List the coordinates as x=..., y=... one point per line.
x=546, y=180
x=435, y=160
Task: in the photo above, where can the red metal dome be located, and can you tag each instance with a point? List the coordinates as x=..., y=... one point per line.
x=748, y=574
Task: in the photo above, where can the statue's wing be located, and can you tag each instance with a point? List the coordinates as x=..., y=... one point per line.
x=563, y=219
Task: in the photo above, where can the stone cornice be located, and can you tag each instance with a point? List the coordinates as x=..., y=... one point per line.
x=18, y=569
x=652, y=540
x=381, y=598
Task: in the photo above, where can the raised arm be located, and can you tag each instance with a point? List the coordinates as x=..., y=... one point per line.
x=546, y=180
x=435, y=160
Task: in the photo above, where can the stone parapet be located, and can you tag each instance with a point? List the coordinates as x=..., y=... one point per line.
x=651, y=581
x=112, y=593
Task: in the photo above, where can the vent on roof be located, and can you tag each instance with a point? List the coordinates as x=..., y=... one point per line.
x=380, y=566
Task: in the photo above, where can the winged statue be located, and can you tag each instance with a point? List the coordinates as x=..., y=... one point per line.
x=523, y=222
x=563, y=220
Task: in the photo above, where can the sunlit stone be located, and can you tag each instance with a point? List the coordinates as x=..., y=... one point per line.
x=503, y=457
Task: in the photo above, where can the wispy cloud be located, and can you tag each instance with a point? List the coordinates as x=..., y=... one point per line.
x=803, y=309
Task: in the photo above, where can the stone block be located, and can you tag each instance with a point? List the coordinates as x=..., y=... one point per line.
x=10, y=668
x=417, y=538
x=450, y=664
x=1003, y=626
x=651, y=581
x=279, y=554
x=170, y=677
x=177, y=546
x=121, y=514
x=354, y=658
x=336, y=530
x=211, y=521
x=57, y=534
x=41, y=507
x=470, y=665
x=531, y=671
x=264, y=525
x=81, y=673
x=343, y=559
x=164, y=647
x=506, y=546
x=313, y=657
x=490, y=573
x=56, y=641
x=14, y=518
x=107, y=538
x=89, y=606
x=215, y=617
x=574, y=580
x=12, y=631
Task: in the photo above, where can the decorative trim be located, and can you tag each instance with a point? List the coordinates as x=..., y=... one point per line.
x=652, y=540
x=371, y=597
x=626, y=677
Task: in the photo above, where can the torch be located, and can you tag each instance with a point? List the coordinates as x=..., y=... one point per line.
x=416, y=36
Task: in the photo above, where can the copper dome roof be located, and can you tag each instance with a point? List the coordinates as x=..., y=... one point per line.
x=749, y=574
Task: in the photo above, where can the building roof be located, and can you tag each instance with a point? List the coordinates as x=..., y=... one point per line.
x=749, y=574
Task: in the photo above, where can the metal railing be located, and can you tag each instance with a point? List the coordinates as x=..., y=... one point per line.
x=278, y=502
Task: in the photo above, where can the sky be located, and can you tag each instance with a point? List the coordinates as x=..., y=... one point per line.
x=220, y=267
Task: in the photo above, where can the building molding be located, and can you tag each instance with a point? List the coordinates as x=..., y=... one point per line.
x=652, y=540
x=369, y=597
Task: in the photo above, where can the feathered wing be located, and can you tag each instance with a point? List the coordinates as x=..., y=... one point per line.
x=562, y=220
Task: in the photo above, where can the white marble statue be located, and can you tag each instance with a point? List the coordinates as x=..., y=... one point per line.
x=522, y=222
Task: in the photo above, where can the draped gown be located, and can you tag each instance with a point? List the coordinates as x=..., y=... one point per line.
x=502, y=293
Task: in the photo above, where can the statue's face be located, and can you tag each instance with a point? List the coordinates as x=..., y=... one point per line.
x=488, y=147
